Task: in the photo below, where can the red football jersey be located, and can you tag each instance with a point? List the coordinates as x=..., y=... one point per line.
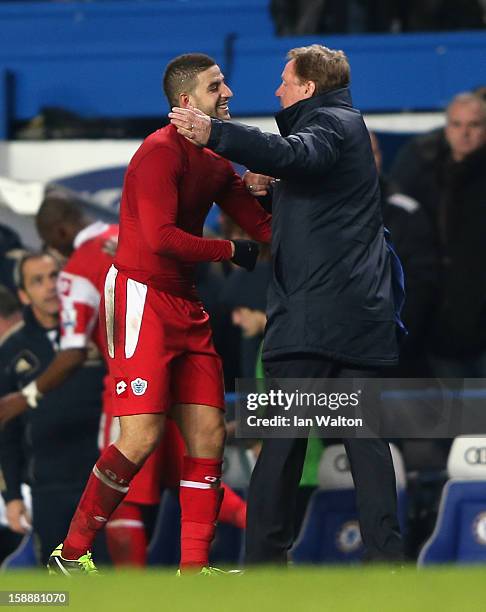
x=169, y=188
x=81, y=283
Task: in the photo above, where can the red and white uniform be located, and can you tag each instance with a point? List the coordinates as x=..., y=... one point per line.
x=80, y=285
x=158, y=337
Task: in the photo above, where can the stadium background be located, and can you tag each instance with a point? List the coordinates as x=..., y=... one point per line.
x=80, y=87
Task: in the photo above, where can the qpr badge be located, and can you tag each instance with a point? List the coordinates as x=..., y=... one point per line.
x=139, y=386
x=479, y=528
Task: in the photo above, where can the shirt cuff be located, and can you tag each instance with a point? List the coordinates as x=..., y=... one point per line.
x=215, y=135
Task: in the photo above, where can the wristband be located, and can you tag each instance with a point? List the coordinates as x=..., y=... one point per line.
x=31, y=394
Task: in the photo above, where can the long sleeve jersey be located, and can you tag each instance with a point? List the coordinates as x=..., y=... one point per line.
x=169, y=188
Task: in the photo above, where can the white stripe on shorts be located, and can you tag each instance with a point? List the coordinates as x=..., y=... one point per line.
x=136, y=294
x=110, y=309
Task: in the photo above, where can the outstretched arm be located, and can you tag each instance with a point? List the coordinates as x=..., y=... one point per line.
x=308, y=153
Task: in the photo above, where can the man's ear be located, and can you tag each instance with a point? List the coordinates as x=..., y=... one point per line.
x=310, y=88
x=184, y=100
x=23, y=297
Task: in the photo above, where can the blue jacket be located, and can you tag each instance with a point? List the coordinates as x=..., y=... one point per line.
x=331, y=291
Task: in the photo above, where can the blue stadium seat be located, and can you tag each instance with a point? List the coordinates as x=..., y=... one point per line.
x=23, y=557
x=330, y=533
x=460, y=532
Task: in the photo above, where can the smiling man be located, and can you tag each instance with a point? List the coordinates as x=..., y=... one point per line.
x=159, y=347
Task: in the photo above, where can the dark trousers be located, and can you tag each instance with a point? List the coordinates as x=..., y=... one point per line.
x=275, y=479
x=52, y=510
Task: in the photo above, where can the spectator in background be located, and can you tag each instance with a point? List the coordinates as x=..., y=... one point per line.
x=417, y=159
x=448, y=177
x=51, y=448
x=298, y=17
x=245, y=293
x=240, y=348
x=423, y=15
x=412, y=236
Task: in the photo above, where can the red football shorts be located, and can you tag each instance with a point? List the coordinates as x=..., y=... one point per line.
x=159, y=349
x=163, y=467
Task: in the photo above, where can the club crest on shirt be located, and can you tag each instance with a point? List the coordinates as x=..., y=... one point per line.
x=139, y=386
x=22, y=366
x=64, y=285
x=26, y=363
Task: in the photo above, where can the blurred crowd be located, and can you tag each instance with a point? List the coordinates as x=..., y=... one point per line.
x=434, y=205
x=301, y=17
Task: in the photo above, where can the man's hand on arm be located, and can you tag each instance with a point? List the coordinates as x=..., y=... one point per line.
x=257, y=184
x=17, y=516
x=192, y=123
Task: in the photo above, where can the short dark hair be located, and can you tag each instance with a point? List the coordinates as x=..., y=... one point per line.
x=9, y=303
x=19, y=268
x=328, y=68
x=58, y=206
x=181, y=73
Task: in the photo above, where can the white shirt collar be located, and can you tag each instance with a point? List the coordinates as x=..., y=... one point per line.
x=90, y=232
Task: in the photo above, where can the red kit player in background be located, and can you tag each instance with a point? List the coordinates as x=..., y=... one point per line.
x=160, y=352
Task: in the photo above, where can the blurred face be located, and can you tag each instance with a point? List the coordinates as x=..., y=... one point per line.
x=292, y=90
x=60, y=237
x=466, y=128
x=39, y=292
x=252, y=322
x=211, y=94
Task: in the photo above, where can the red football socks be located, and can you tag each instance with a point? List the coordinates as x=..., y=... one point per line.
x=125, y=536
x=200, y=497
x=107, y=486
x=233, y=508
